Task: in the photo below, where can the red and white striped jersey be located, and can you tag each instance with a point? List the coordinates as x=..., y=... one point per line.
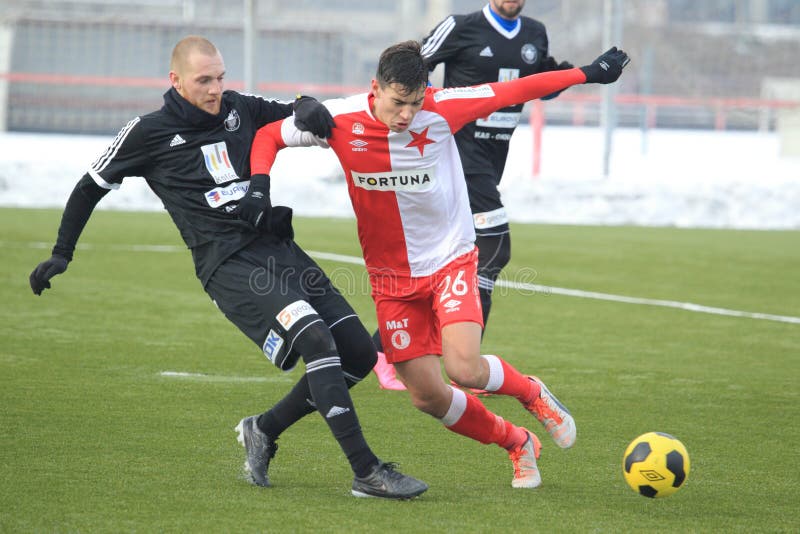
x=407, y=188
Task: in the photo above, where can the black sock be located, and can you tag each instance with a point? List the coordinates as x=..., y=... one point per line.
x=376, y=338
x=290, y=409
x=486, y=304
x=294, y=406
x=494, y=252
x=333, y=401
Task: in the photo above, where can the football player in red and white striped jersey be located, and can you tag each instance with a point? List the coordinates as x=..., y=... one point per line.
x=406, y=183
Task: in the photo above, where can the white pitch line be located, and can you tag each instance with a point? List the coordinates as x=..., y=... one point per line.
x=335, y=257
x=221, y=378
x=687, y=306
x=89, y=246
x=534, y=288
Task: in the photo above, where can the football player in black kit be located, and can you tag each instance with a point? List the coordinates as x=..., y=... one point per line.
x=194, y=155
x=490, y=45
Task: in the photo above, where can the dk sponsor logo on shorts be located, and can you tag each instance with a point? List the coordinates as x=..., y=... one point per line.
x=272, y=345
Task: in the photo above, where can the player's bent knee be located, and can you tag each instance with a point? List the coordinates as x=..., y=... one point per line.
x=355, y=346
x=434, y=403
x=494, y=255
x=503, y=251
x=471, y=378
x=466, y=370
x=430, y=406
x=314, y=339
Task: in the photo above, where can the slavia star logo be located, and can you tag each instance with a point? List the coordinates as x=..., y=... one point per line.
x=419, y=140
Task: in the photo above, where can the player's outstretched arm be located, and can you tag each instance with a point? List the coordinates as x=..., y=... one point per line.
x=79, y=208
x=461, y=105
x=550, y=64
x=607, y=68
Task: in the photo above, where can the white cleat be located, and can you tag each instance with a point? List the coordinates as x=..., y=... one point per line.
x=553, y=415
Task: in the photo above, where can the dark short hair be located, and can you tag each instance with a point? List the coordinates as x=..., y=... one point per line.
x=403, y=64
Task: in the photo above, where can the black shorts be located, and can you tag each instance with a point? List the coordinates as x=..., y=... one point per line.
x=272, y=290
x=488, y=213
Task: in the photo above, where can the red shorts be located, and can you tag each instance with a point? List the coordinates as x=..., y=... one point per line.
x=412, y=311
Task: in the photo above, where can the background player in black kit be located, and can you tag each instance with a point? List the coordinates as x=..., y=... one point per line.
x=490, y=45
x=194, y=154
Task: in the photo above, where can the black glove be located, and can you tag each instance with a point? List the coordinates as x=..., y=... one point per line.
x=41, y=275
x=606, y=68
x=311, y=116
x=565, y=65
x=255, y=206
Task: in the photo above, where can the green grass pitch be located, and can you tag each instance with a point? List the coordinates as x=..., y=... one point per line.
x=95, y=439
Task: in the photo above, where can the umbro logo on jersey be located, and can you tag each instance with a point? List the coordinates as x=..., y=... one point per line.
x=358, y=145
x=177, y=140
x=336, y=410
x=486, y=52
x=452, y=306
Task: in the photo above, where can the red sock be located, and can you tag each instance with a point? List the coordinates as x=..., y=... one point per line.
x=506, y=380
x=515, y=436
x=469, y=417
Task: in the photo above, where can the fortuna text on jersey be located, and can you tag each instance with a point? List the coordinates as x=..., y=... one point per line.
x=417, y=181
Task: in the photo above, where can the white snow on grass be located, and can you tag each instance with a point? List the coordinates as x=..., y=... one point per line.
x=699, y=179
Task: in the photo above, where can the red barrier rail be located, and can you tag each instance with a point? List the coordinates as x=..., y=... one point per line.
x=339, y=90
x=130, y=81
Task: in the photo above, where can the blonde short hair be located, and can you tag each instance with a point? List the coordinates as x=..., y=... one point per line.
x=186, y=46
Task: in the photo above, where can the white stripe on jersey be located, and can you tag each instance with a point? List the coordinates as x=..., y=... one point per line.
x=437, y=224
x=106, y=157
x=265, y=99
x=485, y=283
x=413, y=233
x=102, y=183
x=434, y=42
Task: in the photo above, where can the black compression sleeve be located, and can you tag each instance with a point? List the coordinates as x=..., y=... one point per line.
x=79, y=207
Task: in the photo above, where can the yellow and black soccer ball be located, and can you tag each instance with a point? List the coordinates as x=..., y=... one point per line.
x=655, y=465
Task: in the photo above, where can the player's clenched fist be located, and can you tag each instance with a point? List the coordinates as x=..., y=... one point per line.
x=255, y=206
x=41, y=275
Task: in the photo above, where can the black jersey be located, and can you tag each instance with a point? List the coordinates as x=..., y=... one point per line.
x=476, y=49
x=198, y=164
